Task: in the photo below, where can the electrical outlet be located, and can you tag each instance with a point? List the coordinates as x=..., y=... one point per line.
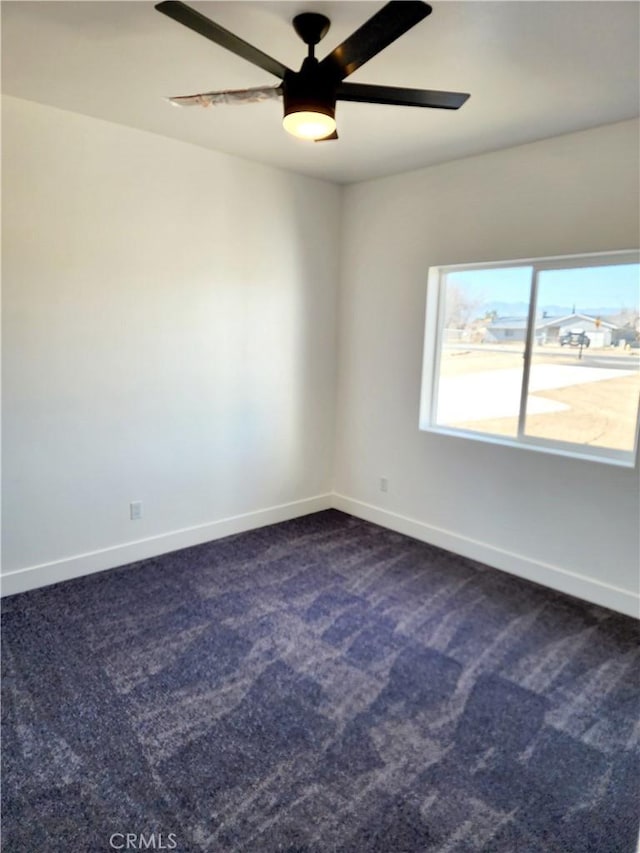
x=384, y=484
x=135, y=510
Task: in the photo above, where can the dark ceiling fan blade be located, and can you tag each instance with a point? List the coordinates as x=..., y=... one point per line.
x=371, y=94
x=331, y=136
x=378, y=32
x=183, y=14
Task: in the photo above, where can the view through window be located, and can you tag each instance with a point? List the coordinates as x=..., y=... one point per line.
x=544, y=352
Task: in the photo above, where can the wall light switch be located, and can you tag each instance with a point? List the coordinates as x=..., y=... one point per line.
x=135, y=510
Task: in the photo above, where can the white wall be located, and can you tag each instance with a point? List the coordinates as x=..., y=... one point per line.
x=169, y=337
x=563, y=522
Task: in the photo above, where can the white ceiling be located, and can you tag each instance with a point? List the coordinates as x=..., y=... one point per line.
x=534, y=69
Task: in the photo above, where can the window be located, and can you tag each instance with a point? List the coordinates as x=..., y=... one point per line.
x=538, y=353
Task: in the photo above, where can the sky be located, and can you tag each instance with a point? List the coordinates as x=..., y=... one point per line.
x=611, y=286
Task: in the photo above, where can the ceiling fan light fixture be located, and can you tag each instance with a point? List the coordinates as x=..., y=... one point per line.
x=309, y=124
x=309, y=103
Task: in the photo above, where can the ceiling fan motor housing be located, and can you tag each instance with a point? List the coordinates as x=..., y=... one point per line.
x=308, y=90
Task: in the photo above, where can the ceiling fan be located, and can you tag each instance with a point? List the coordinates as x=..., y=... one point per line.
x=310, y=94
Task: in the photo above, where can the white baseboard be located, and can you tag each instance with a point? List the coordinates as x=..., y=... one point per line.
x=588, y=589
x=130, y=552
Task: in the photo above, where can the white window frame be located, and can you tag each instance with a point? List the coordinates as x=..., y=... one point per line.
x=434, y=323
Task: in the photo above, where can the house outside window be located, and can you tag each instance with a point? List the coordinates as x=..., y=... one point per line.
x=541, y=353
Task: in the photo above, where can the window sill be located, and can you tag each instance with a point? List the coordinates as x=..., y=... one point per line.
x=619, y=459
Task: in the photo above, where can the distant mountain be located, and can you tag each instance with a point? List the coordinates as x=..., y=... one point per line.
x=563, y=310
x=507, y=309
x=521, y=309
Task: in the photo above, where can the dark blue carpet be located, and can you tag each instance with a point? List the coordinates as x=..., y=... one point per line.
x=318, y=686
